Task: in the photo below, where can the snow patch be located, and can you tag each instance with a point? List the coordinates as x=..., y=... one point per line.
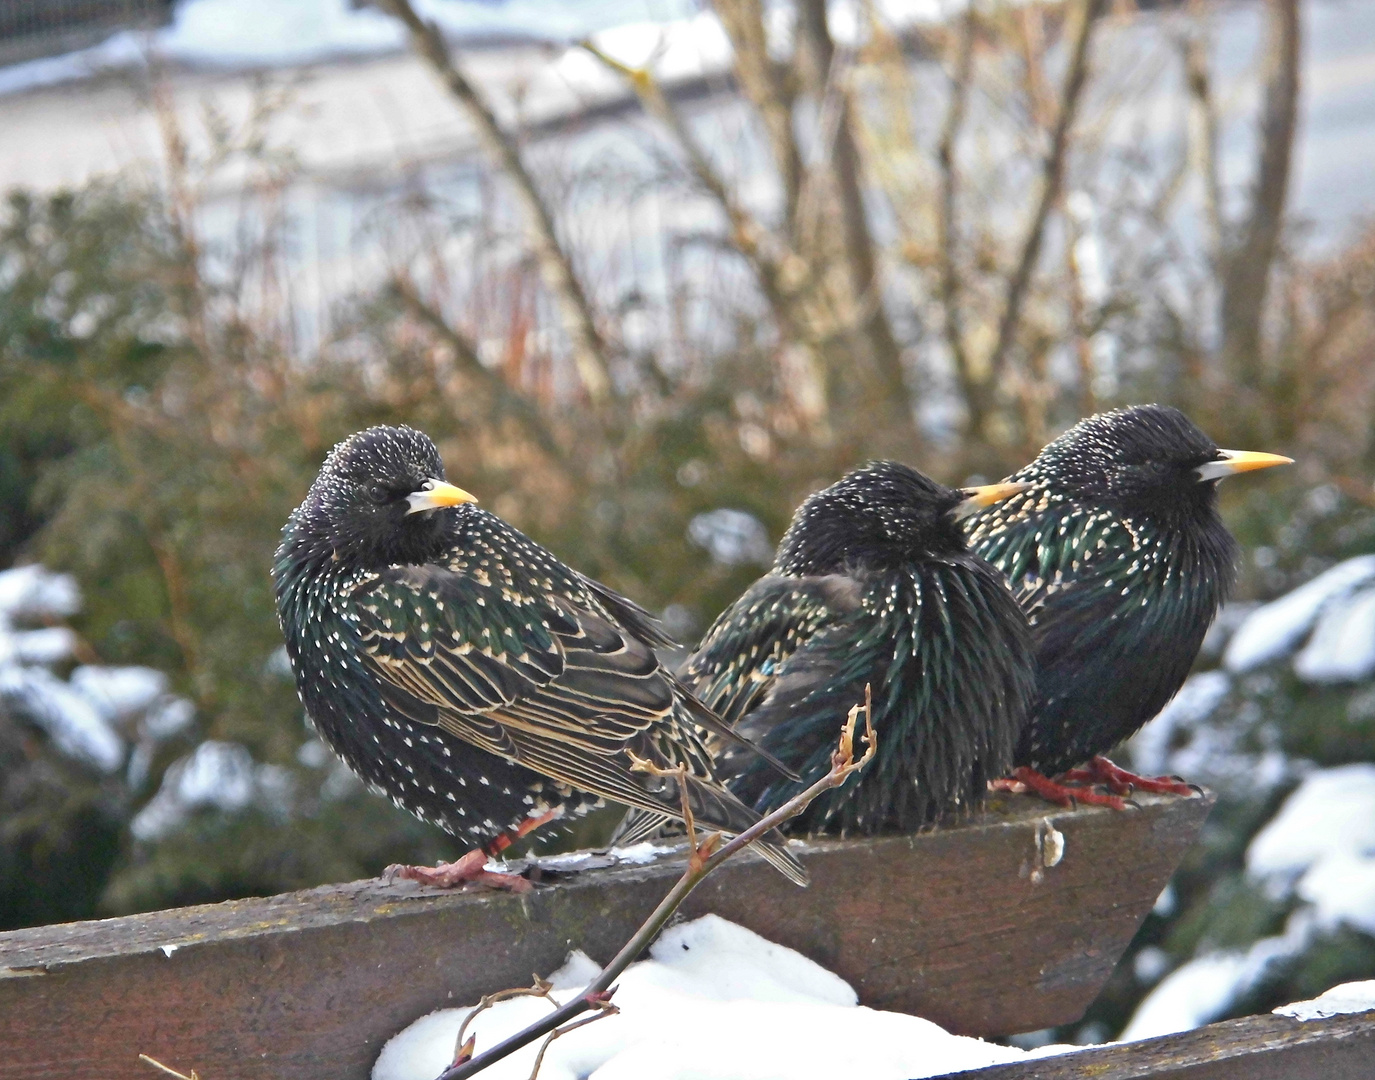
x=1331, y=813
x=1352, y=997
x=1196, y=700
x=1274, y=630
x=1188, y=997
x=1341, y=888
x=733, y=537
x=50, y=645
x=1342, y=648
x=1204, y=989
x=708, y=975
x=217, y=774
x=119, y=691
x=34, y=592
x=77, y=728
x=646, y=851
x=1319, y=849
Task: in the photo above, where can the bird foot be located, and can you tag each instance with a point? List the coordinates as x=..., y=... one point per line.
x=470, y=868
x=1025, y=779
x=1100, y=770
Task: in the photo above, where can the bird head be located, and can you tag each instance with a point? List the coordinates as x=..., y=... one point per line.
x=881, y=515
x=1145, y=456
x=373, y=503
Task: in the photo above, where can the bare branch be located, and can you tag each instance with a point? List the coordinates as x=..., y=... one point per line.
x=818, y=52
x=505, y=397
x=598, y=992
x=1203, y=129
x=1078, y=328
x=1247, y=271
x=1051, y=179
x=605, y=1009
x=764, y=252
x=589, y=349
x=778, y=269
x=947, y=224
x=767, y=89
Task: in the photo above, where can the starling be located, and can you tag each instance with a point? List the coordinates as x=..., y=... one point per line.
x=873, y=586
x=464, y=671
x=1118, y=555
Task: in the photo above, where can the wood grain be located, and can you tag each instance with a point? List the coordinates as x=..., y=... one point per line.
x=959, y=924
x=1252, y=1048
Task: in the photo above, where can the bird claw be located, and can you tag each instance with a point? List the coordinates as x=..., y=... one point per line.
x=1076, y=786
x=470, y=868
x=1120, y=781
x=1025, y=779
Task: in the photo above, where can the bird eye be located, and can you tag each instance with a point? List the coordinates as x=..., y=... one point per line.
x=378, y=494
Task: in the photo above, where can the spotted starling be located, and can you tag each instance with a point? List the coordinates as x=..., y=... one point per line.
x=873, y=586
x=1118, y=555
x=461, y=669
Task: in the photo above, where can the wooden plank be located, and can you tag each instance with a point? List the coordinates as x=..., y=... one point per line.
x=960, y=924
x=1252, y=1048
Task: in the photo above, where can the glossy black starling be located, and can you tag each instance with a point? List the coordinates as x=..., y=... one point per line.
x=1118, y=555
x=461, y=669
x=873, y=585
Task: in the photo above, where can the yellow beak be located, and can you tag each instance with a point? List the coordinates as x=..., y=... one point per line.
x=436, y=494
x=1238, y=461
x=976, y=498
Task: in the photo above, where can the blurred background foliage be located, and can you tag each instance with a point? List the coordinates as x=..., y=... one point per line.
x=961, y=246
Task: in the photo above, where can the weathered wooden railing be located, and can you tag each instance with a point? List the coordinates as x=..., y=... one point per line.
x=1252, y=1048
x=965, y=925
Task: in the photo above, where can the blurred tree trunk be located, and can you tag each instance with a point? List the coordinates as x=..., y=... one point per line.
x=1249, y=257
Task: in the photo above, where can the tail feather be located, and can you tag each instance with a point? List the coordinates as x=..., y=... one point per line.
x=639, y=825
x=773, y=847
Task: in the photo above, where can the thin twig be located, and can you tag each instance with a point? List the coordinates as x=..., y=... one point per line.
x=764, y=82
x=540, y=988
x=947, y=226
x=776, y=266
x=843, y=766
x=589, y=349
x=1052, y=176
x=605, y=1009
x=505, y=397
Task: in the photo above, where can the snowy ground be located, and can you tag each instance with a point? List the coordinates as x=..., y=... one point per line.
x=713, y=1002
